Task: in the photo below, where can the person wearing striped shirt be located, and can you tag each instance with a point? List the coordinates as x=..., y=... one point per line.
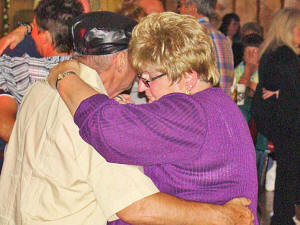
x=202, y=10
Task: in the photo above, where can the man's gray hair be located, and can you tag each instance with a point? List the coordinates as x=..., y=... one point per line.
x=101, y=62
x=205, y=7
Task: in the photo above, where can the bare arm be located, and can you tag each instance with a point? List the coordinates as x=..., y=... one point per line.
x=160, y=209
x=8, y=110
x=71, y=88
x=13, y=38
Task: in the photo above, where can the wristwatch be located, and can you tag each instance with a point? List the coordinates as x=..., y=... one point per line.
x=27, y=26
x=62, y=75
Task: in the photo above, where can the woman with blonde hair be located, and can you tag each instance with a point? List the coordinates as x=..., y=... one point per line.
x=191, y=139
x=278, y=117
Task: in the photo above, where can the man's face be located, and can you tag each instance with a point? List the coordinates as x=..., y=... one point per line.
x=129, y=77
x=40, y=39
x=124, y=77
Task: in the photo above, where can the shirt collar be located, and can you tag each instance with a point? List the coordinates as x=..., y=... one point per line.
x=203, y=20
x=92, y=78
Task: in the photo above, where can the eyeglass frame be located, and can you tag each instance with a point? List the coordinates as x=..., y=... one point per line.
x=146, y=81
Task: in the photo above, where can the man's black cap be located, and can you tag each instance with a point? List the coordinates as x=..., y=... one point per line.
x=101, y=33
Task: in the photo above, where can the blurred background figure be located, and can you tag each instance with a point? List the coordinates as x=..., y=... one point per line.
x=252, y=27
x=237, y=47
x=202, y=10
x=131, y=9
x=246, y=72
x=230, y=27
x=277, y=115
x=52, y=40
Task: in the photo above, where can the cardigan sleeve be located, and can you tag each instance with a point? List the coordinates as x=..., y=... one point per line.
x=170, y=129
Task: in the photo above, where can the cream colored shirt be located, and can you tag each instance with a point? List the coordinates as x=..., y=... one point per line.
x=51, y=176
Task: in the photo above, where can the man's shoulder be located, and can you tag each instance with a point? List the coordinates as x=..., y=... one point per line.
x=213, y=32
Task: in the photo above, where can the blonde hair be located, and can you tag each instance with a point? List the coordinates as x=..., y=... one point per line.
x=173, y=44
x=281, y=30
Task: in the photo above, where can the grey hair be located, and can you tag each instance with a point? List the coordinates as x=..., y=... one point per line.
x=205, y=7
x=102, y=62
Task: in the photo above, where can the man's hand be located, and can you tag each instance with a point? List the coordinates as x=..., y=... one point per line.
x=68, y=65
x=237, y=212
x=12, y=39
x=123, y=99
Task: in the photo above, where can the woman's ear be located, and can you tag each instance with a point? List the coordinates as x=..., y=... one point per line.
x=190, y=79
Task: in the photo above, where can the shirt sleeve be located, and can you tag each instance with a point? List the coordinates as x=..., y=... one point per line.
x=224, y=60
x=18, y=73
x=238, y=72
x=170, y=129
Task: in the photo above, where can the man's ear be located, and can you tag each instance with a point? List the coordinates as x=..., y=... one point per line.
x=121, y=61
x=47, y=38
x=190, y=79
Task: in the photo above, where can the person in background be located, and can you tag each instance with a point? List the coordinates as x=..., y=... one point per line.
x=52, y=40
x=250, y=28
x=237, y=47
x=63, y=180
x=8, y=109
x=16, y=44
x=186, y=138
x=131, y=9
x=230, y=27
x=247, y=71
x=277, y=116
x=202, y=10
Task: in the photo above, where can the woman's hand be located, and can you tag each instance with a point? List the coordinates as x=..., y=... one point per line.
x=123, y=99
x=68, y=65
x=12, y=39
x=267, y=94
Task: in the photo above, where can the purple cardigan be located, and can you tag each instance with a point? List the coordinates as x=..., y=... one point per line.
x=195, y=147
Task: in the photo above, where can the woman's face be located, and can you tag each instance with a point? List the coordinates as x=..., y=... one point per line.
x=157, y=88
x=296, y=35
x=233, y=28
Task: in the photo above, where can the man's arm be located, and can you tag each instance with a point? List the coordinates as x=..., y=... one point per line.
x=13, y=38
x=161, y=209
x=18, y=73
x=8, y=111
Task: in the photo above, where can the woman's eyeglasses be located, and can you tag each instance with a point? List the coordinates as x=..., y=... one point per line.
x=146, y=81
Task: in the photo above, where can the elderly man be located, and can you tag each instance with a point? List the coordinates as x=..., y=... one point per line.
x=202, y=10
x=51, y=176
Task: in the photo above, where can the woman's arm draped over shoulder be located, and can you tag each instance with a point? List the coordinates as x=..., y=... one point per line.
x=170, y=129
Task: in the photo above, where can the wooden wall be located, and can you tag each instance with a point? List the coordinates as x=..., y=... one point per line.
x=20, y=10
x=260, y=11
